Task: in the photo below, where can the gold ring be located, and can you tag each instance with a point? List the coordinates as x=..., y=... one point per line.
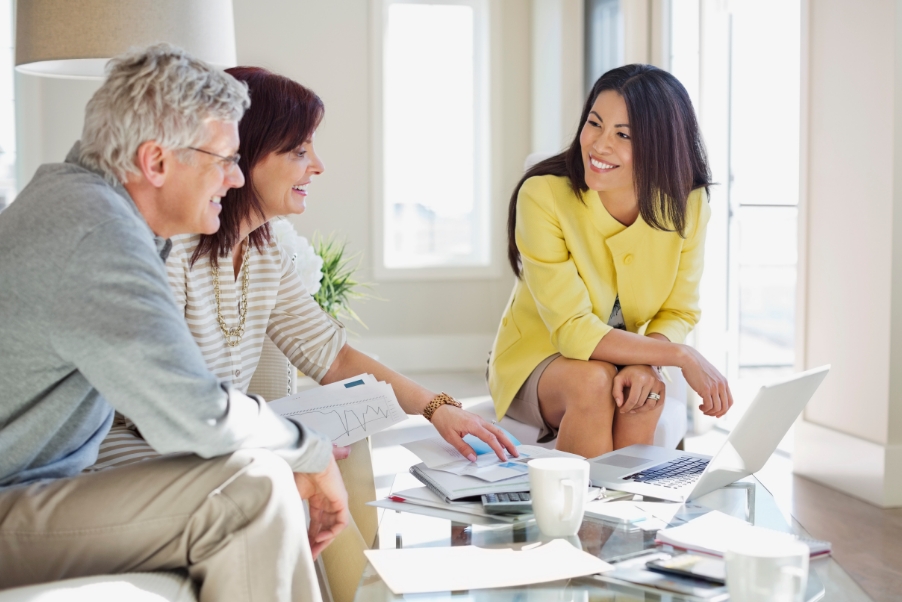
x=654, y=396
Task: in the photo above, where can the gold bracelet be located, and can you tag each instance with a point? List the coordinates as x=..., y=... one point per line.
x=437, y=402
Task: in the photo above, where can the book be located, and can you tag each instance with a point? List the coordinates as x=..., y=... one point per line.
x=715, y=531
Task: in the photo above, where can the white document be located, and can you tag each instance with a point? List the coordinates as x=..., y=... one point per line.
x=648, y=516
x=420, y=570
x=438, y=454
x=671, y=513
x=346, y=411
x=715, y=531
x=435, y=452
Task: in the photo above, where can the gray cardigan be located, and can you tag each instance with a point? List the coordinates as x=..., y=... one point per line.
x=88, y=324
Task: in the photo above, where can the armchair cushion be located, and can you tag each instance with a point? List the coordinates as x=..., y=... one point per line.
x=160, y=586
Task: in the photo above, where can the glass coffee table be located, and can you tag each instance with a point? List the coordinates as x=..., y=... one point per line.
x=747, y=499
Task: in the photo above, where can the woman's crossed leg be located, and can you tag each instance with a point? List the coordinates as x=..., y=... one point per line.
x=577, y=397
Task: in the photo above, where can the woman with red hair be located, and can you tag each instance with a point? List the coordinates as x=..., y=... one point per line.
x=238, y=285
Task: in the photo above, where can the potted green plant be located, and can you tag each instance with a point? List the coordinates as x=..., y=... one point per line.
x=326, y=270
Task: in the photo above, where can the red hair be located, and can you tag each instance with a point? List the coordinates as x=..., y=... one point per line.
x=283, y=115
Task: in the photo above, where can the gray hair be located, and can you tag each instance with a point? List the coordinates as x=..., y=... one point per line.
x=159, y=93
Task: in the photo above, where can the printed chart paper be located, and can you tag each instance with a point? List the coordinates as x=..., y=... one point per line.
x=346, y=412
x=438, y=454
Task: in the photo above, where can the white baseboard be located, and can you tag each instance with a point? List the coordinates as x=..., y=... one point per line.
x=863, y=469
x=453, y=353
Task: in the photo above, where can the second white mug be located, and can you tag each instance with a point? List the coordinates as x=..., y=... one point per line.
x=767, y=569
x=558, y=487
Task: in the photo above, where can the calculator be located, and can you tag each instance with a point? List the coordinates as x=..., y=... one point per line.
x=507, y=503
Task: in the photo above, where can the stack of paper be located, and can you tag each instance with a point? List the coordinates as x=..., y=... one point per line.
x=438, y=454
x=420, y=570
x=346, y=411
x=420, y=500
x=715, y=531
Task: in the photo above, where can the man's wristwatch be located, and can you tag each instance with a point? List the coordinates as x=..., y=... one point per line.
x=437, y=402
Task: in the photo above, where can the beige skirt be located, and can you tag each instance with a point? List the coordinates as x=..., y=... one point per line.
x=525, y=406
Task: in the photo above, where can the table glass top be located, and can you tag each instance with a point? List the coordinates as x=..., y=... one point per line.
x=747, y=499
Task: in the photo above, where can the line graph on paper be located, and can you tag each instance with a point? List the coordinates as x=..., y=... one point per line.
x=354, y=420
x=344, y=415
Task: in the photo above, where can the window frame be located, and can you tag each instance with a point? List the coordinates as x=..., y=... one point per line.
x=484, y=92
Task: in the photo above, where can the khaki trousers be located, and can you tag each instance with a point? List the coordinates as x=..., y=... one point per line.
x=236, y=523
x=343, y=560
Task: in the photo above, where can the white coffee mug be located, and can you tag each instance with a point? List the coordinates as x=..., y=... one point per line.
x=558, y=487
x=767, y=569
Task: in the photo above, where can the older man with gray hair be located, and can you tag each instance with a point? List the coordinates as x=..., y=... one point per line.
x=89, y=326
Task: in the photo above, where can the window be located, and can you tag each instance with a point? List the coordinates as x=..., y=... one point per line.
x=431, y=147
x=7, y=107
x=747, y=94
x=604, y=38
x=764, y=182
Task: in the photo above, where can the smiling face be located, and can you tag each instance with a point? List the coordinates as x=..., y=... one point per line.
x=606, y=146
x=190, y=197
x=281, y=179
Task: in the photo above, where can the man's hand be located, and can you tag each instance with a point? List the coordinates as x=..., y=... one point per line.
x=454, y=423
x=325, y=493
x=340, y=452
x=641, y=381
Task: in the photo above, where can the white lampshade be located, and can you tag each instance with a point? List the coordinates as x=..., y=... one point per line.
x=75, y=38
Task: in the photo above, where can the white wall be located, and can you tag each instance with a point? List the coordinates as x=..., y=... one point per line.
x=49, y=118
x=851, y=436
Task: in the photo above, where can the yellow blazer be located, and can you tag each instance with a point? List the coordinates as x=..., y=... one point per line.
x=576, y=260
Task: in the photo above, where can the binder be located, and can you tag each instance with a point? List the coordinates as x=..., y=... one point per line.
x=455, y=488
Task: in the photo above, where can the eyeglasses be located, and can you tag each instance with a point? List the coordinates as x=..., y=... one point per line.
x=229, y=161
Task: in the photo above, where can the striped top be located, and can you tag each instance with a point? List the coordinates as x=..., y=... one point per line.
x=278, y=305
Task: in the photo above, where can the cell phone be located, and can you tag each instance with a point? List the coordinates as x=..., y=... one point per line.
x=693, y=566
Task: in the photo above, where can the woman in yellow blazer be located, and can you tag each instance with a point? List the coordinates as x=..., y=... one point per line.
x=607, y=242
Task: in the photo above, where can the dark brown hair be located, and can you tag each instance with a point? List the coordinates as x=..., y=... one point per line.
x=669, y=159
x=282, y=116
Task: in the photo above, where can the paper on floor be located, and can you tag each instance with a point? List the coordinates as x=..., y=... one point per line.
x=420, y=570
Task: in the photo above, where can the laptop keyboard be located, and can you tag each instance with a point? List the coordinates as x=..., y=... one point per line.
x=674, y=474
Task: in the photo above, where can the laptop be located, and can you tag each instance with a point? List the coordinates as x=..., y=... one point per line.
x=682, y=476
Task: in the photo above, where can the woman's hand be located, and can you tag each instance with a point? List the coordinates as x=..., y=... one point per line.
x=708, y=382
x=641, y=381
x=454, y=423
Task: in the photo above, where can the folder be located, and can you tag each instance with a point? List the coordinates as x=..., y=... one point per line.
x=452, y=487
